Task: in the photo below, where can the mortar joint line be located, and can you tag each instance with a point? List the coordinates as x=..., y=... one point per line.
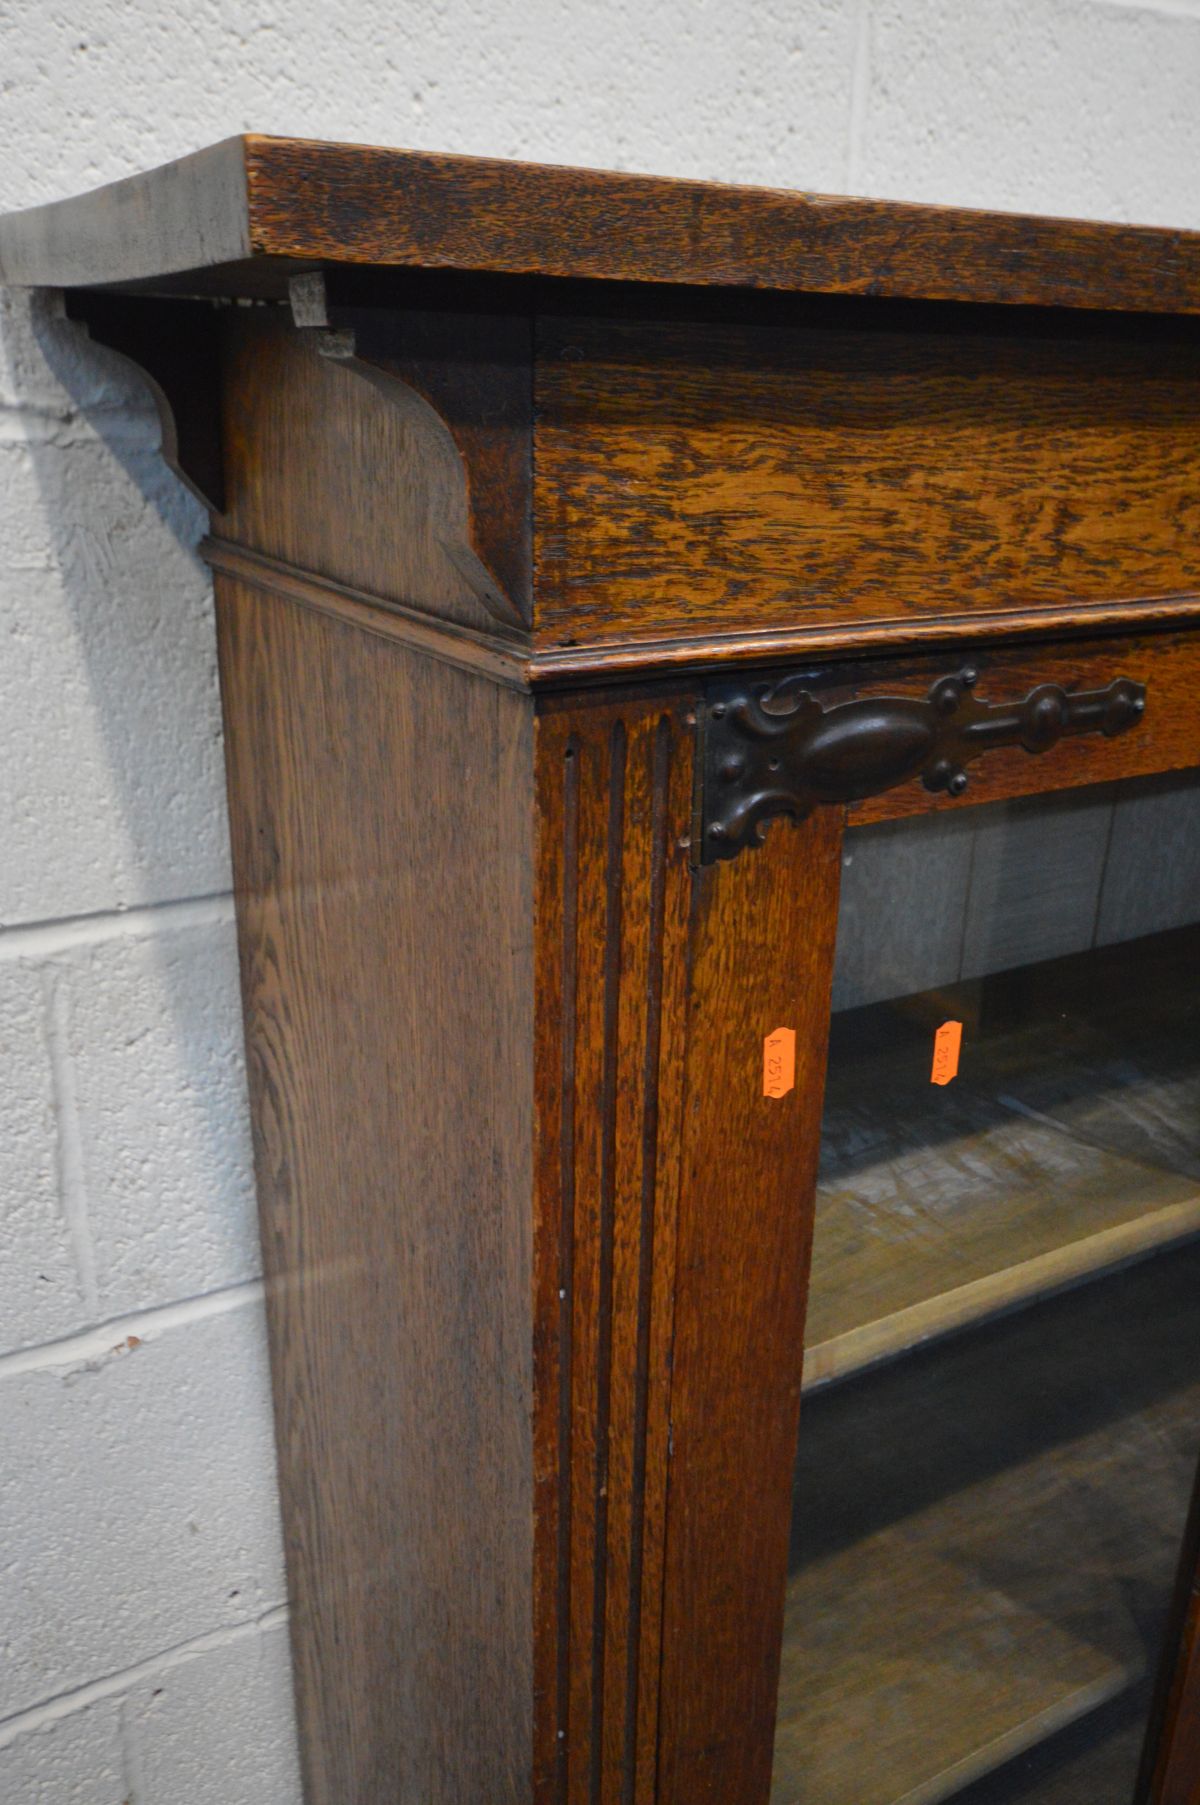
x=128, y=1330
x=61, y=934
x=112, y=1685
x=72, y=1182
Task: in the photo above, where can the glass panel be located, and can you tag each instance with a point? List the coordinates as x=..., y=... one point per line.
x=1002, y=1368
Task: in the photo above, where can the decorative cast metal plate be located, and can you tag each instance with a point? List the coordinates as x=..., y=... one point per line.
x=771, y=747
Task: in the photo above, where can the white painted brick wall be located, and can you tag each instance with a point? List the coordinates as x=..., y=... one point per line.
x=71, y=1760
x=42, y=1295
x=142, y=1653
x=165, y=1434
x=152, y=1032
x=242, y=1694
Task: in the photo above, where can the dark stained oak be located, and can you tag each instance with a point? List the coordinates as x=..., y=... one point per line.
x=704, y=478
x=302, y=413
x=682, y=653
x=183, y=214
x=762, y=959
x=472, y=370
x=385, y=927
x=382, y=793
x=740, y=473
x=466, y=648
x=1168, y=662
x=298, y=202
x=612, y=913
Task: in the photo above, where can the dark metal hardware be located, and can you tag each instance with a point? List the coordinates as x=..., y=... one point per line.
x=771, y=747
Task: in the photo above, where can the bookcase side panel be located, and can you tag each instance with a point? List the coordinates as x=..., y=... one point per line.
x=382, y=827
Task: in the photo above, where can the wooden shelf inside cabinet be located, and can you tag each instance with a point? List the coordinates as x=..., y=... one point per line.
x=514, y=474
x=1066, y=1146
x=952, y=1602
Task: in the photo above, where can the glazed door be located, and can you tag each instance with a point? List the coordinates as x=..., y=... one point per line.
x=1001, y=1382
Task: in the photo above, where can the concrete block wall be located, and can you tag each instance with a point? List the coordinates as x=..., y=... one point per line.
x=142, y=1610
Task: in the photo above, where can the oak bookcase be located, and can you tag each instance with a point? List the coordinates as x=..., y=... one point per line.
x=604, y=566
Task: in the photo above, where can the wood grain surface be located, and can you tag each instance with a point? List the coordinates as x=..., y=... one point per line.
x=474, y=370
x=382, y=818
x=181, y=215
x=762, y=959
x=614, y=806
x=256, y=198
x=699, y=478
x=1166, y=738
x=475, y=649
x=361, y=480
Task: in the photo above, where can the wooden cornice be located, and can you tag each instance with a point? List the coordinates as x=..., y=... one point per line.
x=243, y=215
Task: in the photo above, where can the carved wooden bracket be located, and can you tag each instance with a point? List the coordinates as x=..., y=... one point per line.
x=770, y=747
x=462, y=383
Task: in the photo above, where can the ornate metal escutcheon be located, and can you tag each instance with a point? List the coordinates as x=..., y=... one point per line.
x=771, y=747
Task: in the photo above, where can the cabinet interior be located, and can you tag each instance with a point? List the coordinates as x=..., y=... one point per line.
x=1002, y=1409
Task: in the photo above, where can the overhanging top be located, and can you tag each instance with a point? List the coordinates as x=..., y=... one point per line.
x=238, y=217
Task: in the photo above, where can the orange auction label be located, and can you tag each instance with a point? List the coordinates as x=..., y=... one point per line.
x=779, y=1062
x=947, y=1044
